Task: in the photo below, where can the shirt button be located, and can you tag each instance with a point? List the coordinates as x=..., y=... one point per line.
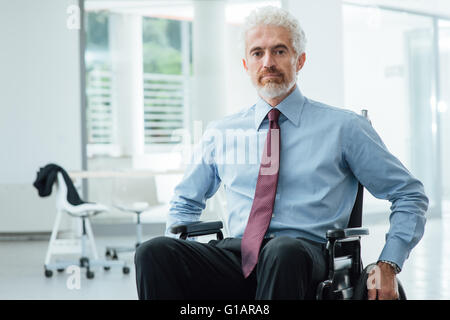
x=273, y=215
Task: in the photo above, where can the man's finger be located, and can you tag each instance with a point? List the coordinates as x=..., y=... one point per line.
x=387, y=294
x=372, y=294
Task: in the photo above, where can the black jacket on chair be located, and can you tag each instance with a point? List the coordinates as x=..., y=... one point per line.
x=47, y=176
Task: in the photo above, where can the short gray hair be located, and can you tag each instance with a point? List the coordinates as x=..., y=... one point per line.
x=270, y=15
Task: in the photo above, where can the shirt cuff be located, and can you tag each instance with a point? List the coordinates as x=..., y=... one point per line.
x=393, y=265
x=396, y=251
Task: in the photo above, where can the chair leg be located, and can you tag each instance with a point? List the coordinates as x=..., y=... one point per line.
x=138, y=230
x=53, y=237
x=83, y=239
x=84, y=260
x=91, y=239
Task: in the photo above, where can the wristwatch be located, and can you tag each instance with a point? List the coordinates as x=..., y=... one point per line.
x=393, y=265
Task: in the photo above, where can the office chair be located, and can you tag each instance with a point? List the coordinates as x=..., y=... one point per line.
x=83, y=211
x=133, y=195
x=137, y=208
x=347, y=278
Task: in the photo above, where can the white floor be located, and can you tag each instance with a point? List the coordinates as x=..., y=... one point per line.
x=22, y=274
x=424, y=276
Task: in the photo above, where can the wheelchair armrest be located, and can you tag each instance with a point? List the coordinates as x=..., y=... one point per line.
x=340, y=234
x=198, y=228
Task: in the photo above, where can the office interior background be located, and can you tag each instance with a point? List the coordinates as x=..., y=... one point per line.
x=113, y=91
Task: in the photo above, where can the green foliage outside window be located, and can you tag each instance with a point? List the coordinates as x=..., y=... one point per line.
x=162, y=46
x=161, y=39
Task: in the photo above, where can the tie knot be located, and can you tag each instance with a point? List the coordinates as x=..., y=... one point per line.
x=273, y=115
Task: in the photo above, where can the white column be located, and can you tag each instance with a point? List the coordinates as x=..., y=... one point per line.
x=125, y=41
x=209, y=86
x=240, y=91
x=322, y=77
x=208, y=94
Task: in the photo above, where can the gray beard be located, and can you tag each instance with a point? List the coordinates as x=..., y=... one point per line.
x=273, y=90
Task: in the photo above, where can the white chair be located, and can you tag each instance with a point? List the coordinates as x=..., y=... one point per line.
x=70, y=246
x=133, y=195
x=136, y=208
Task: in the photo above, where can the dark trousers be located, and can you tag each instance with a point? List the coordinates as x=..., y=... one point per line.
x=288, y=268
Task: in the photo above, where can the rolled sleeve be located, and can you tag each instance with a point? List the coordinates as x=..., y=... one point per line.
x=385, y=177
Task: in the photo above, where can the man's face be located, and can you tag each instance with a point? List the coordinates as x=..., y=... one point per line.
x=271, y=61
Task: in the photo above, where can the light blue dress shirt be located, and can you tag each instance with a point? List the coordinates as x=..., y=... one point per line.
x=324, y=152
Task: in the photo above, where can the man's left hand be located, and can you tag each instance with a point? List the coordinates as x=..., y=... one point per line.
x=387, y=286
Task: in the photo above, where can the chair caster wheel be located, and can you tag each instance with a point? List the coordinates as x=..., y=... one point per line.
x=90, y=274
x=60, y=270
x=84, y=262
x=48, y=273
x=126, y=270
x=106, y=268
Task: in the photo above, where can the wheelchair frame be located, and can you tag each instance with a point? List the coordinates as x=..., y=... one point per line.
x=346, y=277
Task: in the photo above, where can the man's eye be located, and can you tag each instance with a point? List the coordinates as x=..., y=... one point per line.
x=280, y=52
x=257, y=54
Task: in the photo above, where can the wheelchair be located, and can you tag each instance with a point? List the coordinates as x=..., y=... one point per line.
x=347, y=278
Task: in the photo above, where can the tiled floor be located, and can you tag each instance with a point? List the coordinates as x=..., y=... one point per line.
x=425, y=274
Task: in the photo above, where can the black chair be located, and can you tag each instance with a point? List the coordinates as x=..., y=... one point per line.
x=346, y=278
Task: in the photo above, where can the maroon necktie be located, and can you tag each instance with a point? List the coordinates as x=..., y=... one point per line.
x=266, y=188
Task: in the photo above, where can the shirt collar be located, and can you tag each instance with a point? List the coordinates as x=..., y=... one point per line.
x=291, y=107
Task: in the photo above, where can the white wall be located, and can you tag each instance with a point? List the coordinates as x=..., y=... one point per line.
x=40, y=119
x=241, y=94
x=322, y=77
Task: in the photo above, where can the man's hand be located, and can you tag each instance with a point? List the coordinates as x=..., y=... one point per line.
x=382, y=286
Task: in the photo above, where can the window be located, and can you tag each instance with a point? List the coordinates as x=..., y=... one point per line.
x=165, y=85
x=121, y=113
x=99, y=115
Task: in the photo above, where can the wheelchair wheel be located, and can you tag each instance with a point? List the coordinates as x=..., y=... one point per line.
x=401, y=291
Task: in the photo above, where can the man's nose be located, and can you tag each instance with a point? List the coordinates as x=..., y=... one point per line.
x=268, y=60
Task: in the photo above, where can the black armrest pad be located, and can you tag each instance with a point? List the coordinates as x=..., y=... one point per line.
x=196, y=227
x=338, y=234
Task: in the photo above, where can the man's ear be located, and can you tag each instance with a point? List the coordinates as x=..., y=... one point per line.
x=301, y=61
x=244, y=63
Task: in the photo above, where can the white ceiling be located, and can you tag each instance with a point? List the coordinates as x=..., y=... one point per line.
x=434, y=7
x=236, y=10
x=183, y=9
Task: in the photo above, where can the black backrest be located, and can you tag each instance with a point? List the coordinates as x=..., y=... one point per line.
x=356, y=215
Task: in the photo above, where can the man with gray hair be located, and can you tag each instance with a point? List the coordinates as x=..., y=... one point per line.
x=278, y=210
